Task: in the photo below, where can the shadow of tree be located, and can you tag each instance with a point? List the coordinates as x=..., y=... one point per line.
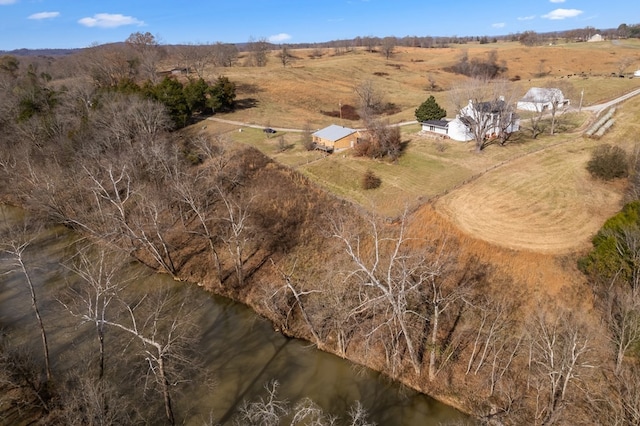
x=246, y=103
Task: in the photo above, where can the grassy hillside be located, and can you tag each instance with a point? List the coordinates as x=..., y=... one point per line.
x=290, y=96
x=504, y=180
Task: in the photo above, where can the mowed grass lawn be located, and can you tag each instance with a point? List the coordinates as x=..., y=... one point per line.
x=428, y=168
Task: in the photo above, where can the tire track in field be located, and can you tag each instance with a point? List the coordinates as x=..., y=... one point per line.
x=544, y=203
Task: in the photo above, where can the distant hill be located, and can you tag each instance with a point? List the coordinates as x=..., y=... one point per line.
x=39, y=52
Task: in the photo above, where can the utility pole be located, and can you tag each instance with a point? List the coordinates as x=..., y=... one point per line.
x=581, y=97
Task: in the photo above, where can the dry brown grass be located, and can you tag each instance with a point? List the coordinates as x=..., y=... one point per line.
x=542, y=202
x=291, y=96
x=527, y=210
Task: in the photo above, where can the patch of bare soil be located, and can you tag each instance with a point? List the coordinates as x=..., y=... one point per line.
x=544, y=203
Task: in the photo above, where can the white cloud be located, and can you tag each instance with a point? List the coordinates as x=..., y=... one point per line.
x=499, y=25
x=278, y=38
x=44, y=15
x=5, y=2
x=526, y=18
x=109, y=20
x=557, y=1
x=562, y=14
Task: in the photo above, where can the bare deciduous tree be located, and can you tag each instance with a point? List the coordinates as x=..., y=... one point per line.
x=445, y=290
x=285, y=56
x=291, y=286
x=497, y=339
x=388, y=46
x=235, y=234
x=107, y=65
x=21, y=379
x=150, y=229
x=393, y=272
x=622, y=316
x=486, y=109
x=85, y=401
x=165, y=339
x=225, y=54
x=273, y=411
x=196, y=57
x=559, y=359
x=370, y=99
x=14, y=243
x=100, y=286
x=150, y=53
x=258, y=52
x=266, y=411
x=193, y=192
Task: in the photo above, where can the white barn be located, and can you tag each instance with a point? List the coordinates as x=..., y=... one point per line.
x=539, y=99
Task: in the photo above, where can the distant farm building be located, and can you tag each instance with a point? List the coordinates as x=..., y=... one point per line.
x=637, y=73
x=595, y=38
x=335, y=137
x=539, y=99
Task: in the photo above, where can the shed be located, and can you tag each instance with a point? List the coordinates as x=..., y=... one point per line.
x=335, y=137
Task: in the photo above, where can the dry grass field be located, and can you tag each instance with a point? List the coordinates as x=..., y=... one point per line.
x=532, y=195
x=290, y=96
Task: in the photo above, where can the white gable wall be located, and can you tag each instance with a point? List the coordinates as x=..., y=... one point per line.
x=458, y=131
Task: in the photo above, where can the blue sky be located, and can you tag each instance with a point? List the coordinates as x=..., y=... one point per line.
x=80, y=23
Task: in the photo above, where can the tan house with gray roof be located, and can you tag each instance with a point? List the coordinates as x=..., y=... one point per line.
x=335, y=137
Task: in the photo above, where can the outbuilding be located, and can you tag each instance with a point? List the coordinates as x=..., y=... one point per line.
x=440, y=127
x=335, y=137
x=538, y=99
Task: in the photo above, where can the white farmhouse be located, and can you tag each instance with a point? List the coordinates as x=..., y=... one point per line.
x=539, y=99
x=491, y=118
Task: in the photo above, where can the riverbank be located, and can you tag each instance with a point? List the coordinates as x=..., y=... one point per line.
x=239, y=352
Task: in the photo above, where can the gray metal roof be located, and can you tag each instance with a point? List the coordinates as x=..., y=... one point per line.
x=542, y=95
x=437, y=123
x=334, y=132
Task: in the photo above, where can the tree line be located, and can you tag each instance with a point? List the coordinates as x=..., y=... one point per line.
x=409, y=301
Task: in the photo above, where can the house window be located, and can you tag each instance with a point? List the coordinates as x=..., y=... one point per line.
x=432, y=128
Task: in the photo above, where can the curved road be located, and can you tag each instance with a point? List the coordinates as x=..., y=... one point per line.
x=597, y=109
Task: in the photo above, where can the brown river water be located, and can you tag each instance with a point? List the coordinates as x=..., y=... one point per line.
x=240, y=350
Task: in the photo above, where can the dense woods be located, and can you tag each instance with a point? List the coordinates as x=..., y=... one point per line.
x=96, y=147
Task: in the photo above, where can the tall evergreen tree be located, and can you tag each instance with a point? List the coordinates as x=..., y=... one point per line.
x=430, y=110
x=222, y=95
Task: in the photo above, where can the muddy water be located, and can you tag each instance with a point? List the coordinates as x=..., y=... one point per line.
x=240, y=351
